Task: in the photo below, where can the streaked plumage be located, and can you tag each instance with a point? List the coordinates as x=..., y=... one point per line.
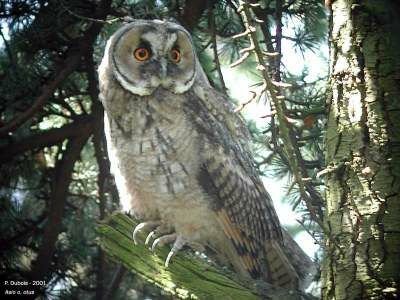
x=181, y=156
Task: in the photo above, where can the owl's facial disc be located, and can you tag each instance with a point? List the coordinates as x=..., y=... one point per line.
x=147, y=55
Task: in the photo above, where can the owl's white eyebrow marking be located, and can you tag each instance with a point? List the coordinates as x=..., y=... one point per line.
x=169, y=43
x=154, y=39
x=160, y=42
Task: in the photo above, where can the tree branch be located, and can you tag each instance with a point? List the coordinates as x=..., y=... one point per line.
x=47, y=138
x=212, y=28
x=277, y=99
x=71, y=63
x=67, y=68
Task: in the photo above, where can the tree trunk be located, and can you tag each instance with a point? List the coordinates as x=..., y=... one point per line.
x=363, y=152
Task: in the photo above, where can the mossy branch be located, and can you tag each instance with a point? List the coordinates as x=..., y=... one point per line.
x=187, y=277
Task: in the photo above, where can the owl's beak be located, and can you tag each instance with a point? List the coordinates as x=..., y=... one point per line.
x=163, y=71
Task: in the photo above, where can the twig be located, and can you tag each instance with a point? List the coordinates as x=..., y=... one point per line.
x=240, y=60
x=88, y=18
x=254, y=97
x=329, y=169
x=211, y=22
x=278, y=39
x=7, y=47
x=312, y=234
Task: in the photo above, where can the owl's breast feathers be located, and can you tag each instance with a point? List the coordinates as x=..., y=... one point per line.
x=153, y=145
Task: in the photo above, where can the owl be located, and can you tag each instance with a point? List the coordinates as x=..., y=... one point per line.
x=181, y=157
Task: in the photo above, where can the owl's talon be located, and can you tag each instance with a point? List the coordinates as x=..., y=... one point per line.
x=170, y=255
x=154, y=245
x=179, y=243
x=149, y=237
x=166, y=239
x=144, y=225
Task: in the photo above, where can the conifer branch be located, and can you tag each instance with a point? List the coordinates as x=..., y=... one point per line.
x=278, y=104
x=214, y=46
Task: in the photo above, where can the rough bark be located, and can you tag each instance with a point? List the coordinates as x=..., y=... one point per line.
x=363, y=152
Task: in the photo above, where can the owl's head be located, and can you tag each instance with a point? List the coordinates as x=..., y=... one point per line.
x=144, y=55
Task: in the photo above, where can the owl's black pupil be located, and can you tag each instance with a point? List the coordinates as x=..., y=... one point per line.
x=142, y=53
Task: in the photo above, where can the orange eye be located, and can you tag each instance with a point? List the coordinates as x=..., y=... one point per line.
x=142, y=54
x=175, y=55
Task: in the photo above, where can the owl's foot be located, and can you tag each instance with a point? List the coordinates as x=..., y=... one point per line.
x=159, y=229
x=144, y=226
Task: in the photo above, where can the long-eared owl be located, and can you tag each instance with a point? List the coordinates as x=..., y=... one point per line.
x=181, y=156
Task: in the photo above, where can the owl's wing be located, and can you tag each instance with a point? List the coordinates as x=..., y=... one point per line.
x=243, y=206
x=230, y=166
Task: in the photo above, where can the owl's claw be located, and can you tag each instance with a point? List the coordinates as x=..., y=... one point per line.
x=170, y=255
x=145, y=225
x=161, y=241
x=178, y=244
x=149, y=237
x=159, y=231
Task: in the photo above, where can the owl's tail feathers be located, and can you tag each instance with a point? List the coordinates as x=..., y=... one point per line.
x=288, y=265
